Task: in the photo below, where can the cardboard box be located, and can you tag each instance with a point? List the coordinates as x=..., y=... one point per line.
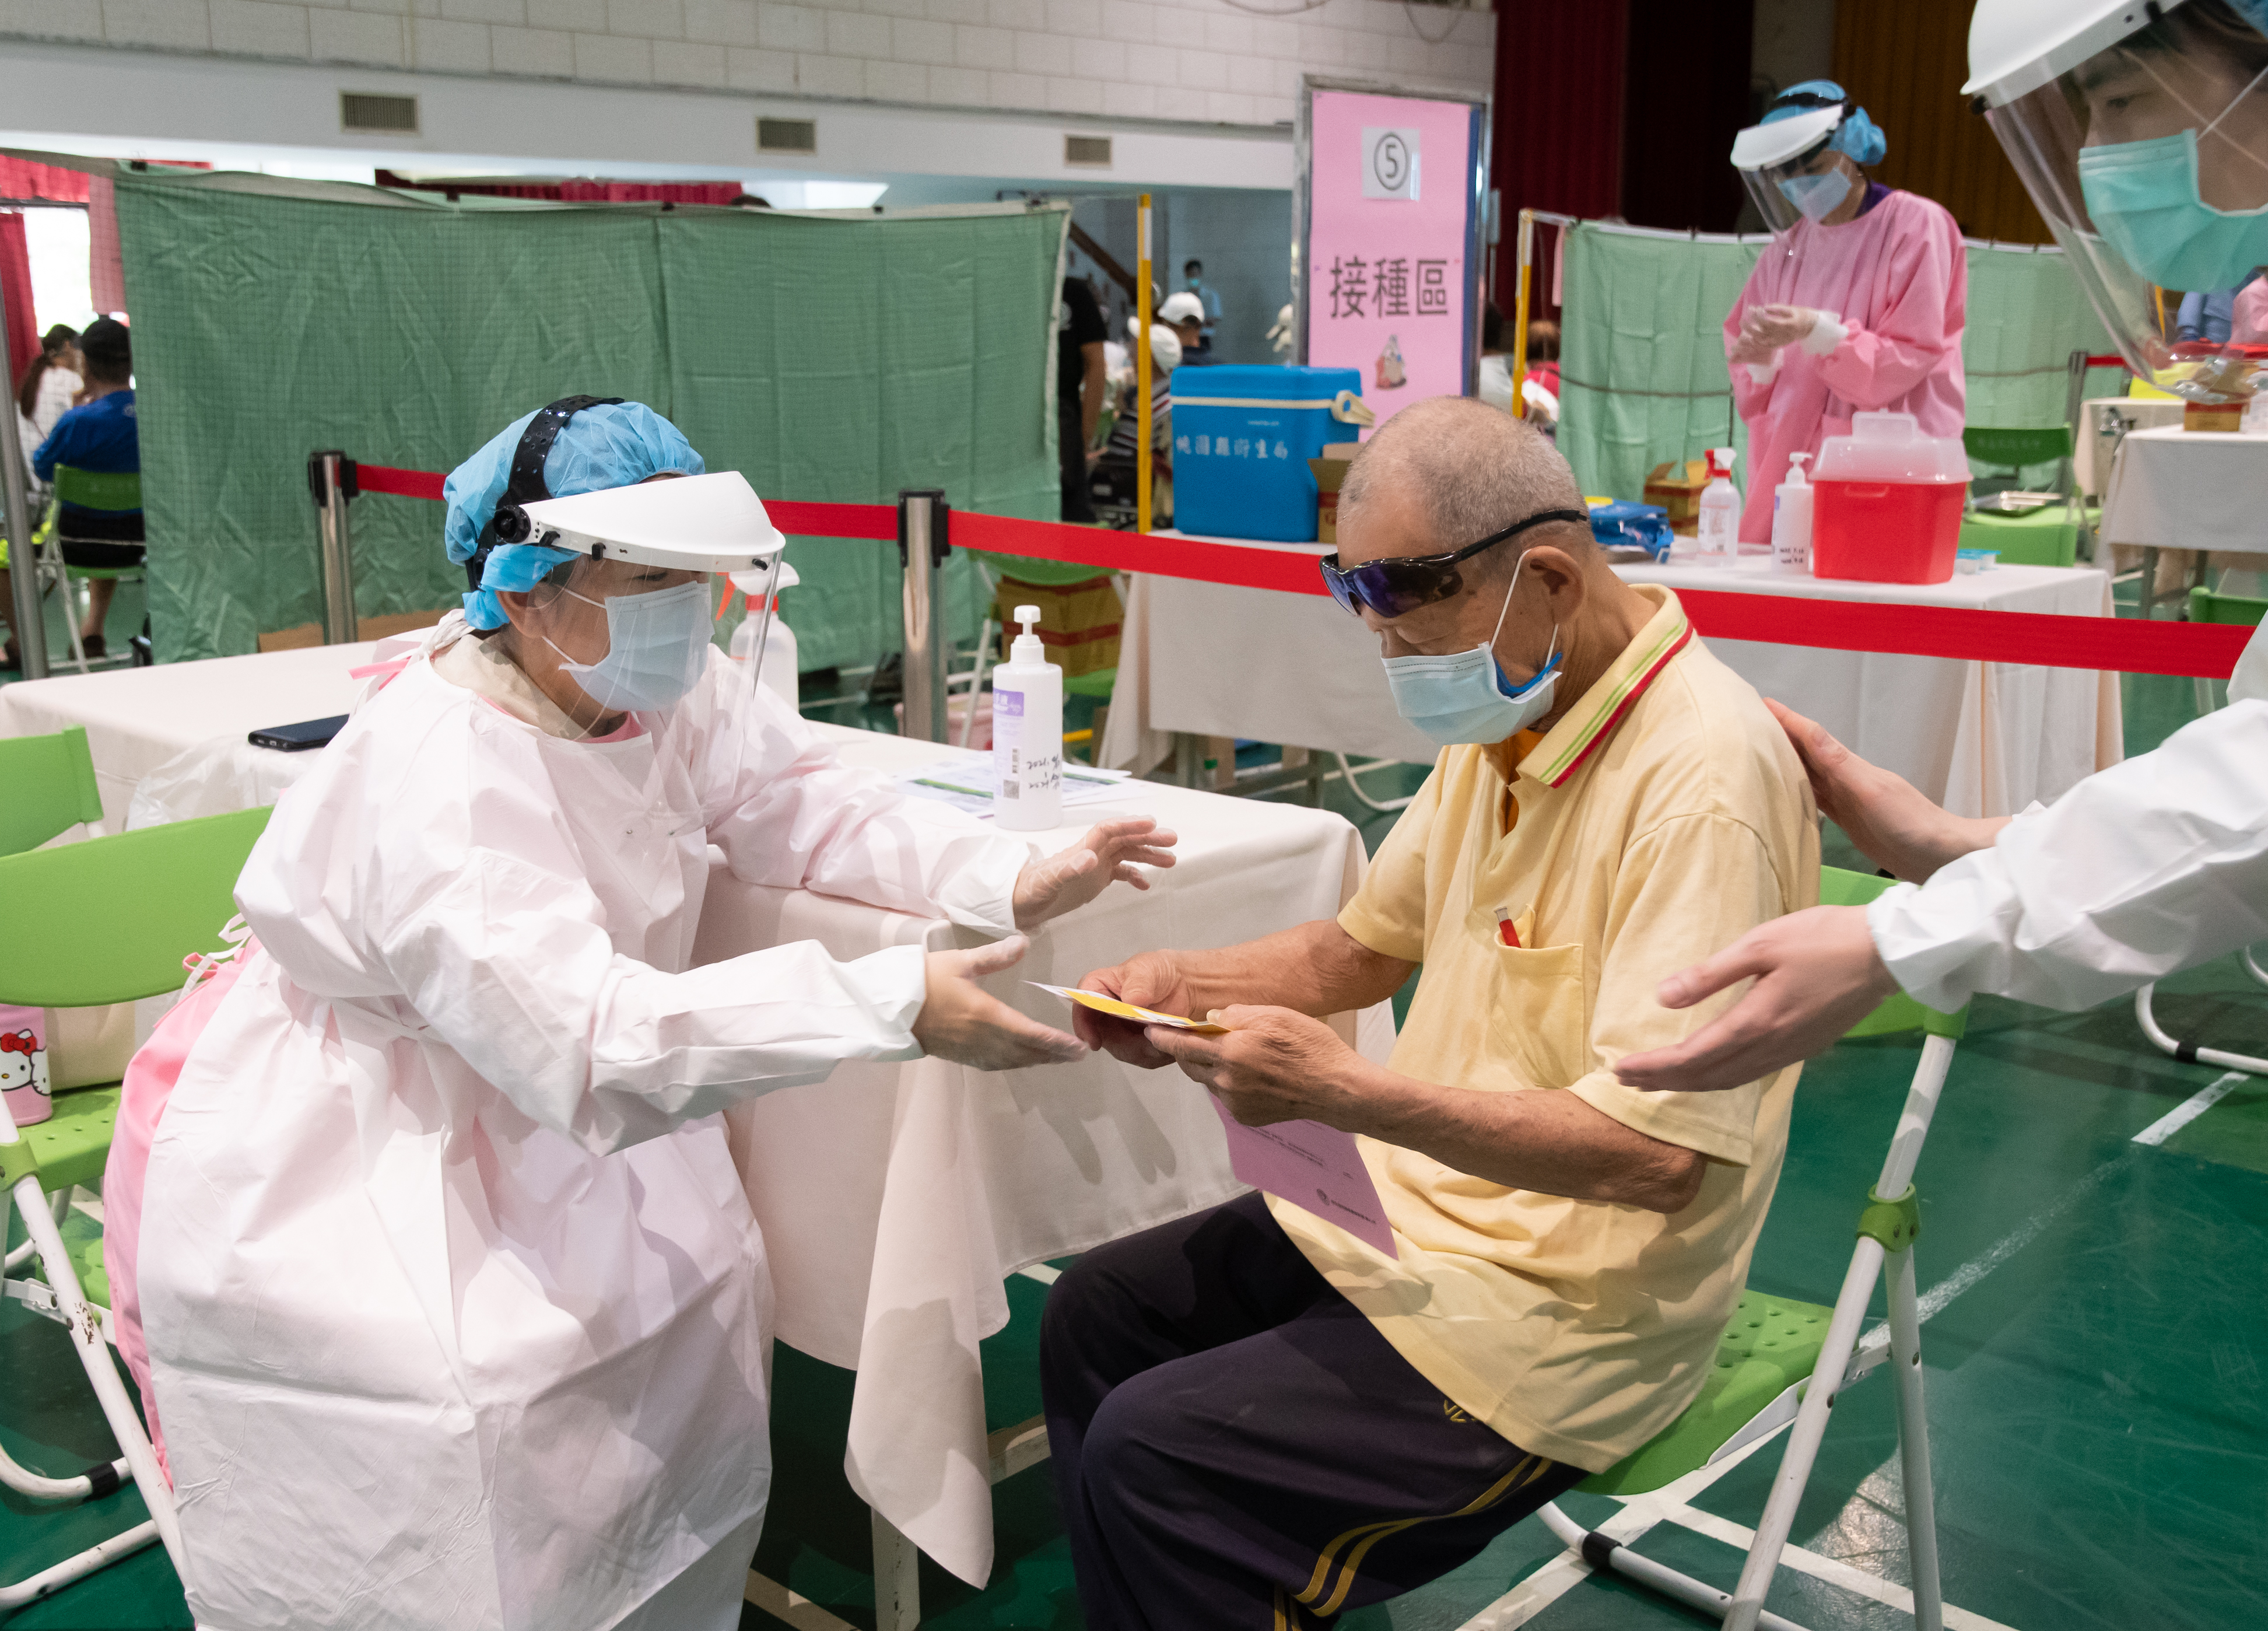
x=1078, y=621
x=2226, y=417
x=1331, y=471
x=1676, y=487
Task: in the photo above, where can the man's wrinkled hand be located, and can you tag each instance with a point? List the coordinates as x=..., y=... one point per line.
x=962, y=1022
x=1274, y=1065
x=1152, y=980
x=1110, y=852
x=1816, y=975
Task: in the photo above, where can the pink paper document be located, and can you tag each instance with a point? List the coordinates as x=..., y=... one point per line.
x=1314, y=1167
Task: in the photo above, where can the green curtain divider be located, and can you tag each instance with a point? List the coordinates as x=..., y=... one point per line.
x=1642, y=359
x=830, y=358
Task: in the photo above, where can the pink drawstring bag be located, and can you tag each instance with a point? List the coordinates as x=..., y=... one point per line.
x=149, y=1082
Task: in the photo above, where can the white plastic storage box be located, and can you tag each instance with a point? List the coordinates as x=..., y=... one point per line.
x=1243, y=437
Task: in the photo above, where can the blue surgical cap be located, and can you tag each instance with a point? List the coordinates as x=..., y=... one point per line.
x=1857, y=135
x=609, y=445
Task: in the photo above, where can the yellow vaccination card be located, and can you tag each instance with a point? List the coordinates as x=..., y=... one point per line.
x=1102, y=1004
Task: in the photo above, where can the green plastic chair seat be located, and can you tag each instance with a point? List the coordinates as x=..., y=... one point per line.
x=1771, y=1345
x=116, y=915
x=2048, y=537
x=72, y=1144
x=87, y=1263
x=1048, y=574
x=2242, y=609
x=51, y=787
x=1099, y=683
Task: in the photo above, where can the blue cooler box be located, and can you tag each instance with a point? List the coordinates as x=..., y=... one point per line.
x=1243, y=437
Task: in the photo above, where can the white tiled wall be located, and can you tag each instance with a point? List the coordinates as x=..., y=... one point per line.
x=1197, y=60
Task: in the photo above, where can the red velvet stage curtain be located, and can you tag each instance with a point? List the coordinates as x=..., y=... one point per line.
x=1560, y=70
x=580, y=192
x=16, y=278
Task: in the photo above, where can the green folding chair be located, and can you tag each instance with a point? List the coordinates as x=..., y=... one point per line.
x=2046, y=537
x=117, y=917
x=1775, y=1347
x=110, y=491
x=51, y=787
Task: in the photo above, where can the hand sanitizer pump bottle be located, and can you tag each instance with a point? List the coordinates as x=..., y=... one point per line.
x=1027, y=733
x=1719, y=528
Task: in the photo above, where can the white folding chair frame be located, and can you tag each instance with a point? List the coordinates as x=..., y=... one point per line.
x=2189, y=1054
x=60, y=1298
x=1840, y=1356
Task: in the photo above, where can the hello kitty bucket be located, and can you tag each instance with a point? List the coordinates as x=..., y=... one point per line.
x=23, y=1065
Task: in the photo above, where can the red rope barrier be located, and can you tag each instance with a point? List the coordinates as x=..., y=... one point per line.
x=406, y=484
x=2127, y=645
x=2199, y=650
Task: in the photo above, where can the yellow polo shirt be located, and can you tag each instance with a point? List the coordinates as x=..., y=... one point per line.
x=1662, y=817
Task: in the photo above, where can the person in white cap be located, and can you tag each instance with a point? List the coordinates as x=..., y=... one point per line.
x=2141, y=132
x=455, y=1312
x=1185, y=314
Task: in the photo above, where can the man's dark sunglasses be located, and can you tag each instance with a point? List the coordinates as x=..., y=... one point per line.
x=1392, y=588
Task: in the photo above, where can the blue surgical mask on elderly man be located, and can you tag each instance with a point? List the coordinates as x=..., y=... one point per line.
x=1466, y=696
x=657, y=648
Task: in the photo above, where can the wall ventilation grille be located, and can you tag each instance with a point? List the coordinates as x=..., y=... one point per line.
x=787, y=136
x=394, y=115
x=1090, y=153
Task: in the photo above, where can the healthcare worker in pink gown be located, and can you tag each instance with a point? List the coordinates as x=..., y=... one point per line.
x=1855, y=305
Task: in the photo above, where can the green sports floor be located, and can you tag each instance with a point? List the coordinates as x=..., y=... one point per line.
x=2093, y=1264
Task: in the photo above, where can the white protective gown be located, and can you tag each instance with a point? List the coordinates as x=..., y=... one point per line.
x=2150, y=867
x=457, y=1313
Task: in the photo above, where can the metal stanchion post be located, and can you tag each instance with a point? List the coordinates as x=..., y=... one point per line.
x=922, y=546
x=23, y=569
x=331, y=479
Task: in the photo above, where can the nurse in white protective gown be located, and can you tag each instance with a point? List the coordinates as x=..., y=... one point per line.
x=455, y=1313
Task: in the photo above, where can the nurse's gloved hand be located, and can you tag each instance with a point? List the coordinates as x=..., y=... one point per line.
x=1887, y=816
x=1108, y=854
x=1774, y=326
x=962, y=1022
x=1816, y=975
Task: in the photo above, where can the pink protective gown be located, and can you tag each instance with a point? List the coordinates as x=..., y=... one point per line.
x=2248, y=321
x=1898, y=279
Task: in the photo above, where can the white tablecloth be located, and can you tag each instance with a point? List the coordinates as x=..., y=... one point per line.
x=1983, y=739
x=138, y=719
x=2090, y=463
x=894, y=1198
x=2188, y=489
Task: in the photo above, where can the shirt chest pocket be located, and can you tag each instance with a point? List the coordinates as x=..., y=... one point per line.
x=1539, y=1018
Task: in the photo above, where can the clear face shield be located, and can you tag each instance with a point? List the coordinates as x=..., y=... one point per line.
x=633, y=622
x=1791, y=171
x=2148, y=157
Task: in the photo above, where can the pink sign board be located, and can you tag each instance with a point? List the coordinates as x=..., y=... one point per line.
x=1389, y=219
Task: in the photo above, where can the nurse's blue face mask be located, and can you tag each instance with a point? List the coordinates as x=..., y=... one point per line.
x=1818, y=197
x=2145, y=200
x=657, y=648
x=1467, y=696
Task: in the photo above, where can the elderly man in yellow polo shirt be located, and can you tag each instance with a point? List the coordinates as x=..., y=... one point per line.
x=1258, y=1420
